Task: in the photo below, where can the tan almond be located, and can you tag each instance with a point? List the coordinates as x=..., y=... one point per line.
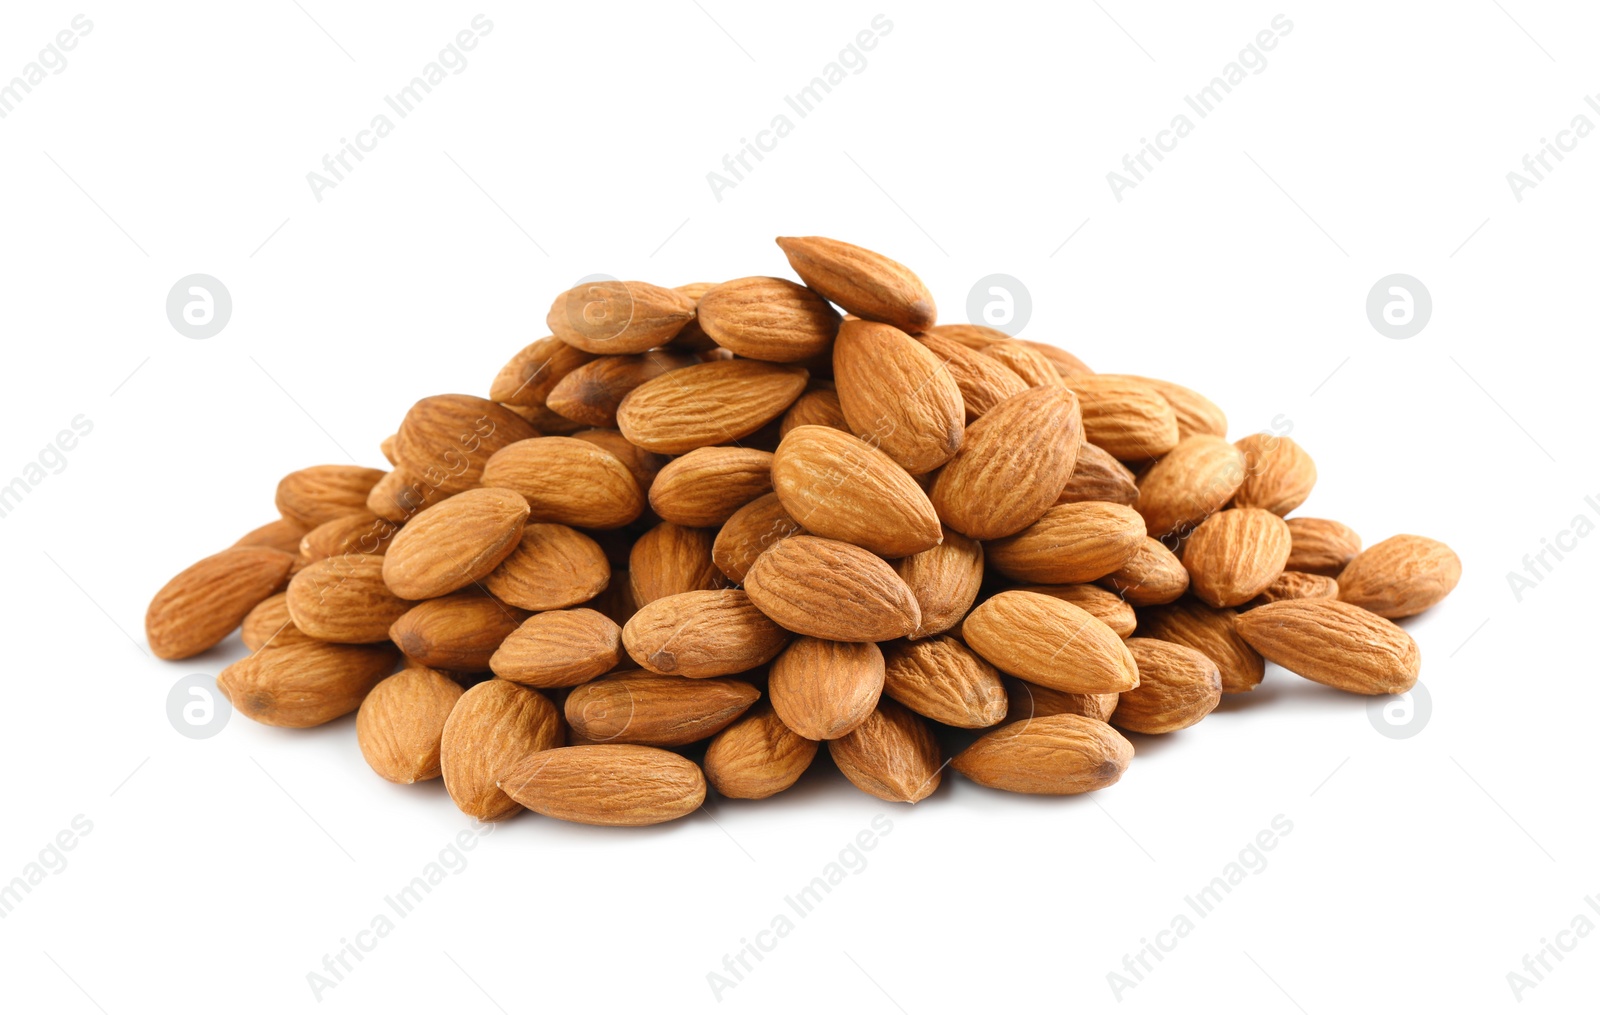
x=837, y=486
x=984, y=381
x=1321, y=546
x=401, y=722
x=457, y=632
x=270, y=624
x=552, y=567
x=608, y=784
x=892, y=755
x=1209, y=631
x=1189, y=484
x=1105, y=606
x=656, y=711
x=1196, y=413
x=702, y=634
x=818, y=406
x=670, y=559
x=1279, y=474
x=1028, y=700
x=1054, y=755
x=644, y=465
x=361, y=532
x=749, y=533
x=454, y=543
x=560, y=648
x=494, y=728
x=865, y=283
x=1070, y=543
x=1296, y=585
x=706, y=486
x=344, y=599
x=1178, y=687
x=529, y=377
x=832, y=590
x=1011, y=465
x=945, y=580
x=591, y=394
x=758, y=756
x=608, y=317
x=445, y=440
x=1152, y=576
x=323, y=493
x=279, y=534
x=769, y=319
x=897, y=395
x=824, y=689
x=973, y=336
x=1028, y=363
x=567, y=481
x=305, y=684
x=1401, y=576
x=401, y=494
x=709, y=403
x=942, y=679
x=1066, y=364
x=1051, y=642
x=1099, y=476
x=1128, y=418
x=1334, y=643
x=1235, y=555
x=207, y=600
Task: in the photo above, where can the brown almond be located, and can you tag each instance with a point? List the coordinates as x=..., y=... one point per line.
x=591, y=394
x=1401, y=576
x=608, y=784
x=1152, y=576
x=837, y=486
x=546, y=422
x=1054, y=755
x=457, y=632
x=1279, y=474
x=560, y=648
x=706, y=486
x=608, y=317
x=401, y=723
x=892, y=755
x=534, y=372
x=818, y=406
x=445, y=440
x=942, y=679
x=1235, y=555
x=567, y=481
x=307, y=683
x=204, y=602
x=945, y=580
x=824, y=689
x=702, y=634
x=1011, y=465
x=644, y=465
x=1028, y=363
x=897, y=395
x=344, y=599
x=749, y=533
x=1099, y=476
x=656, y=711
x=1209, y=631
x=1321, y=546
x=865, y=283
x=709, y=403
x=1066, y=364
x=670, y=559
x=280, y=534
x=1196, y=413
x=493, y=729
x=1296, y=585
x=361, y=532
x=1028, y=701
x=1128, y=418
x=1178, y=687
x=1105, y=606
x=973, y=336
x=769, y=319
x=269, y=624
x=454, y=543
x=1189, y=484
x=758, y=756
x=984, y=381
x=552, y=567
x=1070, y=543
x=1334, y=643
x=1051, y=642
x=402, y=493
x=832, y=590
x=321, y=493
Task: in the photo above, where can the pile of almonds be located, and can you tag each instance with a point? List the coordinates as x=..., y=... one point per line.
x=697, y=532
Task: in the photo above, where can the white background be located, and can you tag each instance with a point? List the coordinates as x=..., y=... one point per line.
x=219, y=872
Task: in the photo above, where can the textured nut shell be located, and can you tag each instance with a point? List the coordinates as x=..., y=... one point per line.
x=1051, y=642
x=973, y=336
x=1196, y=413
x=1126, y=417
x=344, y=599
x=279, y=534
x=1235, y=555
x=1190, y=483
x=305, y=684
x=769, y=319
x=1055, y=755
x=528, y=377
x=204, y=602
x=832, y=590
x=1105, y=606
x=321, y=493
x=1296, y=585
x=454, y=543
x=1070, y=543
x=401, y=494
x=706, y=486
x=567, y=481
x=561, y=648
x=494, y=728
x=552, y=567
x=709, y=403
x=458, y=632
x=612, y=317
x=892, y=755
x=897, y=395
x=591, y=394
x=1099, y=476
x=751, y=531
x=656, y=711
x=1209, y=631
x=1279, y=474
x=819, y=406
x=702, y=634
x=401, y=723
x=837, y=486
x=1334, y=643
x=670, y=559
x=1321, y=546
x=945, y=581
x=1401, y=576
x=824, y=689
x=942, y=679
x=757, y=756
x=984, y=381
x=1032, y=700
x=361, y=532
x=1066, y=364
x=644, y=465
x=445, y=439
x=1152, y=576
x=1178, y=687
x=609, y=784
x=865, y=283
x=1035, y=368
x=270, y=624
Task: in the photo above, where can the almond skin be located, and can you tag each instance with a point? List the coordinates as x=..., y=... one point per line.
x=269, y=624
x=1190, y=483
x=401, y=723
x=322, y=493
x=1070, y=543
x=552, y=567
x=892, y=755
x=1011, y=466
x=865, y=283
x=656, y=711
x=1296, y=585
x=1279, y=474
x=1050, y=642
x=942, y=679
x=1029, y=701
x=819, y=406
x=1152, y=576
x=567, y=481
x=644, y=465
x=608, y=784
x=1105, y=606
x=709, y=403
x=1177, y=688
x=973, y=336
x=529, y=377
x=706, y=486
x=751, y=531
x=1209, y=631
x=670, y=559
x=279, y=534
x=1053, y=755
x=1099, y=476
x=493, y=729
x=344, y=599
x=1321, y=546
x=454, y=543
x=758, y=756
x=1022, y=359
x=1128, y=418
x=837, y=486
x=1196, y=413
x=769, y=319
x=824, y=689
x=205, y=601
x=305, y=684
x=832, y=590
x=561, y=648
x=401, y=494
x=702, y=634
x=445, y=440
x=1401, y=576
x=945, y=581
x=1066, y=364
x=457, y=632
x=361, y=532
x=984, y=381
x=897, y=395
x=1235, y=555
x=609, y=317
x=1334, y=643
x=591, y=394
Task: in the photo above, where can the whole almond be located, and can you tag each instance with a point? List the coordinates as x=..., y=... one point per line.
x=305, y=684
x=1279, y=474
x=454, y=543
x=361, y=532
x=1105, y=606
x=1099, y=476
x=608, y=784
x=1055, y=755
x=1028, y=701
x=322, y=493
x=591, y=394
x=552, y=567
x=942, y=679
x=205, y=601
x=1011, y=465
x=344, y=599
x=693, y=337
x=1334, y=643
x=567, y=481
x=769, y=319
x=279, y=534
x=945, y=580
x=560, y=648
x=897, y=395
x=445, y=440
x=1401, y=576
x=534, y=372
x=545, y=421
x=1209, y=631
x=1196, y=413
x=702, y=634
x=1152, y=576
x=494, y=728
x=818, y=406
x=1190, y=483
x=1235, y=555
x=865, y=283
x=611, y=317
x=1066, y=364
x=401, y=723
x=973, y=336
x=1178, y=687
x=984, y=381
x=1051, y=642
x=1028, y=363
x=670, y=559
x=401, y=494
x=749, y=533
x=892, y=755
x=1070, y=543
x=709, y=403
x=824, y=689
x=656, y=711
x=832, y=590
x=1321, y=546
x=644, y=465
x=1296, y=585
x=457, y=632
x=1128, y=418
x=757, y=756
x=837, y=486
x=269, y=624
x=706, y=486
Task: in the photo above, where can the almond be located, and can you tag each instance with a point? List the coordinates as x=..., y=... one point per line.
x=561, y=648
x=828, y=589
x=1152, y=576
x=1178, y=687
x=1070, y=543
x=1028, y=701
x=361, y=532
x=973, y=336
x=567, y=481
x=945, y=580
x=458, y=632
x=670, y=559
x=710, y=403
x=1105, y=606
x=984, y=381
x=1099, y=476
x=281, y=534
x=534, y=372
x=344, y=599
x=757, y=756
x=611, y=317
x=322, y=493
x=1279, y=474
x=1066, y=364
x=1401, y=576
x=545, y=422
x=1296, y=585
x=643, y=465
x=401, y=494
x=445, y=440
x=608, y=784
x=693, y=337
x=1196, y=413
x=269, y=624
x=706, y=486
x=205, y=601
x=837, y=486
x=1235, y=555
x=702, y=634
x=552, y=567
x=1011, y=465
x=897, y=395
x=942, y=679
x=401, y=723
x=1051, y=642
x=1209, y=631
x=818, y=406
x=892, y=755
x=454, y=543
x=656, y=711
x=1321, y=546
x=769, y=319
x=305, y=684
x=1334, y=643
x=749, y=533
x=1028, y=363
x=1055, y=755
x=591, y=394
x=1189, y=484
x=824, y=689
x=494, y=728
x=865, y=283
x=1128, y=418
